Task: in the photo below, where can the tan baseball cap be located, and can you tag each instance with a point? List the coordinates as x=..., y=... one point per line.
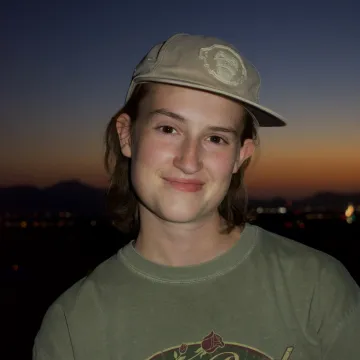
x=205, y=63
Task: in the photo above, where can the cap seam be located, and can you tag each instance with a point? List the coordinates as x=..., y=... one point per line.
x=162, y=50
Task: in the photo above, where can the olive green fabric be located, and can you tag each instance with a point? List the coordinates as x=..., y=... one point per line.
x=266, y=298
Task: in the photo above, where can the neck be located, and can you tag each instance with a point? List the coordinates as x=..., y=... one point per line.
x=174, y=244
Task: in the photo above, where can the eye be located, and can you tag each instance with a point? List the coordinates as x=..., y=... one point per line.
x=167, y=129
x=217, y=140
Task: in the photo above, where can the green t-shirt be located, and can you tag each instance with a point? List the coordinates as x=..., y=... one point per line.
x=268, y=297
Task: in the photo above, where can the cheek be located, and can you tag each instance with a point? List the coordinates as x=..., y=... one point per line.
x=151, y=154
x=221, y=164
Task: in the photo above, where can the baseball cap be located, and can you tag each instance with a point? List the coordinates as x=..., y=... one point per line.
x=209, y=64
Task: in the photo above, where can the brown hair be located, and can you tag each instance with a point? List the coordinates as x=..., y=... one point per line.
x=122, y=202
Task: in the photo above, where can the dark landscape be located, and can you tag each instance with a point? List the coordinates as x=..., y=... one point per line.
x=52, y=237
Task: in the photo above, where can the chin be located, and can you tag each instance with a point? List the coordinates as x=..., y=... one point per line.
x=179, y=215
x=179, y=212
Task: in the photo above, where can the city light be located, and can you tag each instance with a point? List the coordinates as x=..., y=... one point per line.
x=350, y=214
x=349, y=211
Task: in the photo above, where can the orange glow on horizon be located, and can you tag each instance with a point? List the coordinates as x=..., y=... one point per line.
x=300, y=171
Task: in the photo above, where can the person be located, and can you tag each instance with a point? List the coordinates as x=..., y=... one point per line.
x=198, y=280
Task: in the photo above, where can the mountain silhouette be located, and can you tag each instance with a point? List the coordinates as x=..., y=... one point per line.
x=72, y=196
x=79, y=198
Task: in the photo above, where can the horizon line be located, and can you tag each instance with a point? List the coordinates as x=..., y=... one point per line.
x=84, y=183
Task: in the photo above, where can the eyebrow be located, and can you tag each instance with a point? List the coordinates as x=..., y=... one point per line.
x=180, y=118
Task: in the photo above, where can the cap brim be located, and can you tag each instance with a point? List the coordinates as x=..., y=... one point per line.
x=264, y=116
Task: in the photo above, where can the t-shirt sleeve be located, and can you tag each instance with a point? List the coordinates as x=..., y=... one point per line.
x=338, y=310
x=346, y=344
x=53, y=339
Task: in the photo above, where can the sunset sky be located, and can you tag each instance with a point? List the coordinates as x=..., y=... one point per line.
x=66, y=66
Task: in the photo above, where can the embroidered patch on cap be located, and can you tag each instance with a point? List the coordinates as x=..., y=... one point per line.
x=224, y=64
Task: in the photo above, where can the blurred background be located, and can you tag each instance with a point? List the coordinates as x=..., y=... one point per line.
x=65, y=71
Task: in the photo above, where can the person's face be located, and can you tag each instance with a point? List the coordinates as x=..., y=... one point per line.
x=184, y=151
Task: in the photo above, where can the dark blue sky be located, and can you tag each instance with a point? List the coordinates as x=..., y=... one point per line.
x=66, y=66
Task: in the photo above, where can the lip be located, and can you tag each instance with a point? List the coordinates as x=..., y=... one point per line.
x=186, y=185
x=184, y=181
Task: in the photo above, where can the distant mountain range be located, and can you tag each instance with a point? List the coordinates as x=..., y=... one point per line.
x=72, y=196
x=79, y=198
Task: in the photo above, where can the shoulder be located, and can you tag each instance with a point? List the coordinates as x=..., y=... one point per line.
x=88, y=293
x=304, y=263
x=77, y=314
x=85, y=297
x=311, y=277
x=301, y=259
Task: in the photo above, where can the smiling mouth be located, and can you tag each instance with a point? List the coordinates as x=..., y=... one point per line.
x=185, y=185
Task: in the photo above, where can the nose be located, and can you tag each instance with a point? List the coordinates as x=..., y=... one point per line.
x=188, y=160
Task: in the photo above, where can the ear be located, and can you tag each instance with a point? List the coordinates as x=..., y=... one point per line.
x=123, y=128
x=245, y=152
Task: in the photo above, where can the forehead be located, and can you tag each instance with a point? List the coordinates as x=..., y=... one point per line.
x=192, y=104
